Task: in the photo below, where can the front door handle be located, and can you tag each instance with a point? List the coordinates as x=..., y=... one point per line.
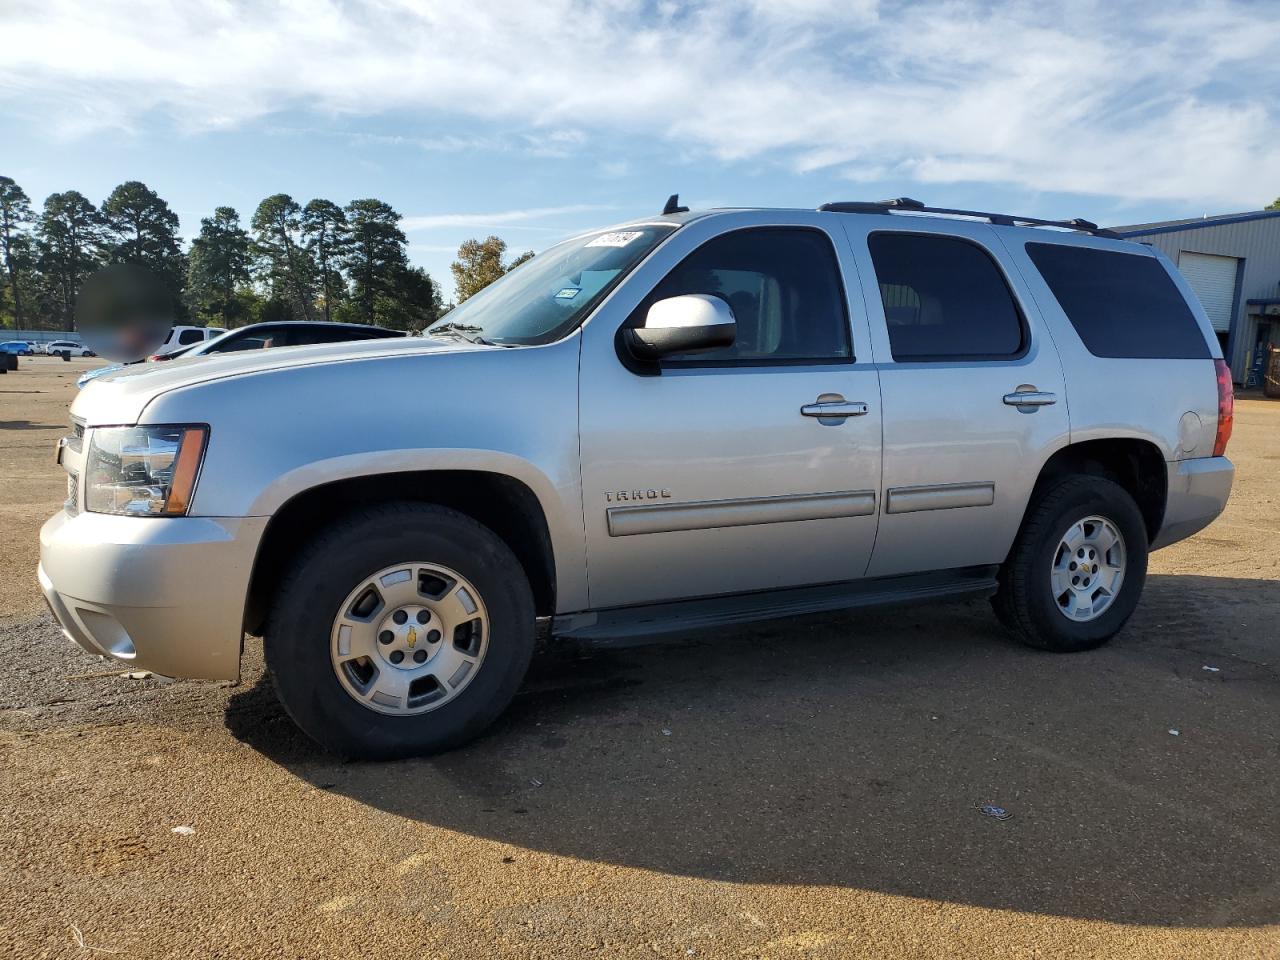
x=1030, y=398
x=832, y=406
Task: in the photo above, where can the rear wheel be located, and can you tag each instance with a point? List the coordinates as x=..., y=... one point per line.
x=1076, y=571
x=405, y=629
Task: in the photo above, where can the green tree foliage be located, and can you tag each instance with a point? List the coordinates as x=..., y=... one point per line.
x=282, y=259
x=413, y=303
x=375, y=259
x=218, y=271
x=16, y=248
x=293, y=263
x=1274, y=205
x=328, y=237
x=139, y=228
x=479, y=263
x=69, y=239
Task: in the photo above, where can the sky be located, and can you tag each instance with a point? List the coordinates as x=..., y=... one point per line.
x=537, y=120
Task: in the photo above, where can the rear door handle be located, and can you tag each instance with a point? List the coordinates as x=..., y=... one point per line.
x=1030, y=398
x=834, y=407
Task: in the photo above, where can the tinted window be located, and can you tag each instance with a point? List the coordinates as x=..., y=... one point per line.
x=944, y=299
x=1121, y=304
x=321, y=335
x=341, y=334
x=783, y=286
x=190, y=336
x=244, y=343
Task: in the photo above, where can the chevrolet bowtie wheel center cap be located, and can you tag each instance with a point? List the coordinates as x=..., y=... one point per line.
x=1088, y=568
x=408, y=636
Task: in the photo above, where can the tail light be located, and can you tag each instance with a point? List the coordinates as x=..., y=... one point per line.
x=1226, y=407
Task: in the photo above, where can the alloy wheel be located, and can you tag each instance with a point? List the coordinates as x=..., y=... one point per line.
x=409, y=638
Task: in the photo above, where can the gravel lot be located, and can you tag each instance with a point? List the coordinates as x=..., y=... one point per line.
x=798, y=789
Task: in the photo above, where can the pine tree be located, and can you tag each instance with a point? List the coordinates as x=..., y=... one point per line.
x=328, y=237
x=218, y=269
x=282, y=259
x=139, y=228
x=375, y=259
x=69, y=240
x=15, y=243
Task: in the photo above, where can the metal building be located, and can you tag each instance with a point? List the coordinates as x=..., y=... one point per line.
x=1232, y=261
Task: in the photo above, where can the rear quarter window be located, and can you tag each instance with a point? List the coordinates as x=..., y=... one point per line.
x=1121, y=304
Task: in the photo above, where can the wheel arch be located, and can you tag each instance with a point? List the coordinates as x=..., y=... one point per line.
x=1136, y=465
x=505, y=504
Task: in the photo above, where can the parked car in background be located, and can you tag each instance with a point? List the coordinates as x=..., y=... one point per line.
x=20, y=348
x=285, y=333
x=260, y=336
x=70, y=347
x=185, y=336
x=724, y=416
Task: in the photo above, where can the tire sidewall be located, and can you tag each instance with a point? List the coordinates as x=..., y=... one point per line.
x=297, y=642
x=1109, y=501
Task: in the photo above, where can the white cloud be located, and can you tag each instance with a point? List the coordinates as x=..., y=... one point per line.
x=443, y=143
x=505, y=218
x=1173, y=101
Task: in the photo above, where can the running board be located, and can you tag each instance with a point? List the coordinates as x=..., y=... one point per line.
x=625, y=625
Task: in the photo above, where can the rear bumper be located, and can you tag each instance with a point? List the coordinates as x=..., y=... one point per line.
x=1198, y=491
x=165, y=595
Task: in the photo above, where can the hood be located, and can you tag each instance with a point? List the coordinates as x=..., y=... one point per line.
x=119, y=397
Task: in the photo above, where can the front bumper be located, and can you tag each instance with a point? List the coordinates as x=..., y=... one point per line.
x=1198, y=491
x=161, y=594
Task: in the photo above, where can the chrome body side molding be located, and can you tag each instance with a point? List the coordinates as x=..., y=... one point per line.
x=709, y=514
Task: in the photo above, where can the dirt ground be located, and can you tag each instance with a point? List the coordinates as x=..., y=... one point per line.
x=804, y=788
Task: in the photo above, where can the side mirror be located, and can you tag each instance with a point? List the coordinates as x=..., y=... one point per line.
x=695, y=321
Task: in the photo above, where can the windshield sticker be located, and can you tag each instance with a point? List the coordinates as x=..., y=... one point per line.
x=615, y=239
x=568, y=293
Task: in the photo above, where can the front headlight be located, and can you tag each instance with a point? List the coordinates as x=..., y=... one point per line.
x=143, y=471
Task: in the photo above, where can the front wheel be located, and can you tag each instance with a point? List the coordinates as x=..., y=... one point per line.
x=404, y=629
x=1077, y=568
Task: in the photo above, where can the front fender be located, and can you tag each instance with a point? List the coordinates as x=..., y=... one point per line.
x=564, y=520
x=276, y=433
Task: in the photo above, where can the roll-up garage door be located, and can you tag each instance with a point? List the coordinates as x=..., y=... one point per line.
x=1214, y=281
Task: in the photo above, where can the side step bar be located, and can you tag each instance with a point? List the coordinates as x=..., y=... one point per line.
x=624, y=626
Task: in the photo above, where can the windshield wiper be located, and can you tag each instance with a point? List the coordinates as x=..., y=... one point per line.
x=460, y=330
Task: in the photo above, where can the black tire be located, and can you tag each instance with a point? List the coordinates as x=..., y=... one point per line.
x=1025, y=602
x=297, y=636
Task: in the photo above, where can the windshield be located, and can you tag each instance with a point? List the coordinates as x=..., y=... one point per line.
x=542, y=300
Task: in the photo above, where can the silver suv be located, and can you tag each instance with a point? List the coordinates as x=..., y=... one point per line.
x=697, y=419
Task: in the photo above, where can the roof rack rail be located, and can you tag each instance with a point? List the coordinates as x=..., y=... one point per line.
x=907, y=205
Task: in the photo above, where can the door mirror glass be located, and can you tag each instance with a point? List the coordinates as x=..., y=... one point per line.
x=684, y=324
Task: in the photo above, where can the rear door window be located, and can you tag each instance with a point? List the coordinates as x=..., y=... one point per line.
x=944, y=299
x=190, y=336
x=1121, y=304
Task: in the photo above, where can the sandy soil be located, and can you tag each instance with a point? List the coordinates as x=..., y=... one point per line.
x=798, y=789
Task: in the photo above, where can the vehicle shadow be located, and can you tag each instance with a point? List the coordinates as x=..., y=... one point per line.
x=28, y=424
x=855, y=750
